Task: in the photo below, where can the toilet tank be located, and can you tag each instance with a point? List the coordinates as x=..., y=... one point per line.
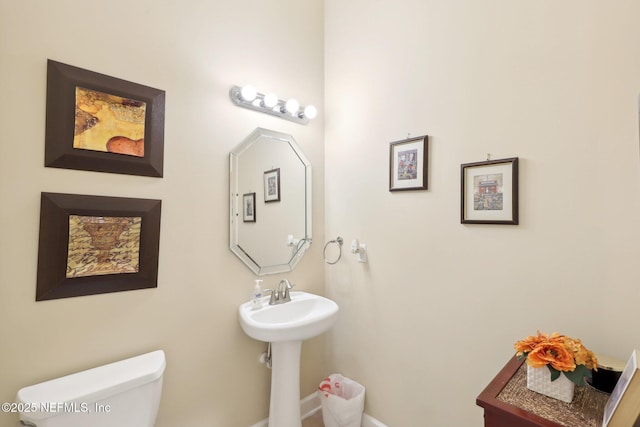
x=121, y=394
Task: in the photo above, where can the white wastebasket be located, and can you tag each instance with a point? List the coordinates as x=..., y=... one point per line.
x=342, y=401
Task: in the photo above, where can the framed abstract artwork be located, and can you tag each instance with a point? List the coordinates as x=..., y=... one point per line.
x=100, y=123
x=95, y=244
x=408, y=164
x=489, y=192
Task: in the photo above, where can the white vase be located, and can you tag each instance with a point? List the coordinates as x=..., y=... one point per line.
x=539, y=380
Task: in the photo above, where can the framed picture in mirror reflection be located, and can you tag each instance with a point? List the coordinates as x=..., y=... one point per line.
x=272, y=185
x=249, y=207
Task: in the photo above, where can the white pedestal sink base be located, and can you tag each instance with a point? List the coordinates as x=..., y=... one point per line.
x=284, y=407
x=285, y=326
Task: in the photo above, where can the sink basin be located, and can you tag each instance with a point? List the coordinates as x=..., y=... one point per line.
x=305, y=316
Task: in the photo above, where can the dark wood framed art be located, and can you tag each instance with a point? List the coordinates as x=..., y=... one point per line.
x=100, y=123
x=408, y=164
x=249, y=207
x=96, y=244
x=489, y=192
x=272, y=185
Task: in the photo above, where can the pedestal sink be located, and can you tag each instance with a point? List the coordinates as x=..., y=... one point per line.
x=285, y=326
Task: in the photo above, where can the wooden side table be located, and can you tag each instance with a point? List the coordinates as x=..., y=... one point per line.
x=508, y=403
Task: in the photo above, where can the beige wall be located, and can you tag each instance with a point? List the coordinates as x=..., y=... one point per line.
x=195, y=51
x=434, y=314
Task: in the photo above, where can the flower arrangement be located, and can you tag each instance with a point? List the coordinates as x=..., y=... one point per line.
x=560, y=353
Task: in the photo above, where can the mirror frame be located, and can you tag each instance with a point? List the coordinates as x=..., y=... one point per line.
x=235, y=203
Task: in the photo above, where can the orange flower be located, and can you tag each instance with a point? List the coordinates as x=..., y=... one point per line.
x=581, y=355
x=531, y=342
x=528, y=344
x=561, y=352
x=553, y=353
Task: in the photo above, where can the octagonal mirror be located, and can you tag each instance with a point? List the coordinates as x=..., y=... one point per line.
x=270, y=202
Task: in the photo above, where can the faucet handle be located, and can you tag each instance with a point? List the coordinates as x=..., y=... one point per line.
x=274, y=296
x=288, y=286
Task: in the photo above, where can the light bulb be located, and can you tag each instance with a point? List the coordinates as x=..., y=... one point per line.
x=270, y=100
x=248, y=93
x=292, y=106
x=310, y=112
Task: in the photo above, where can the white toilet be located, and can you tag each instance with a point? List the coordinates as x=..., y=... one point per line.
x=121, y=394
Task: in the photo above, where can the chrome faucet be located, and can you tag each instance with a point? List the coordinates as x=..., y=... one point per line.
x=283, y=289
x=280, y=295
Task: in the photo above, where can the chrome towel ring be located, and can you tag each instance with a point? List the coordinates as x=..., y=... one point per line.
x=338, y=240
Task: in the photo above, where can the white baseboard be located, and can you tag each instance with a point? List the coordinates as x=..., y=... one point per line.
x=369, y=421
x=310, y=405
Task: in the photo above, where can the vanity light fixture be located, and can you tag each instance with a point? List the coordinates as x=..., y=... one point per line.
x=248, y=97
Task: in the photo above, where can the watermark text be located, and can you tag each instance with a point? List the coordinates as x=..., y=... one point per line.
x=55, y=407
